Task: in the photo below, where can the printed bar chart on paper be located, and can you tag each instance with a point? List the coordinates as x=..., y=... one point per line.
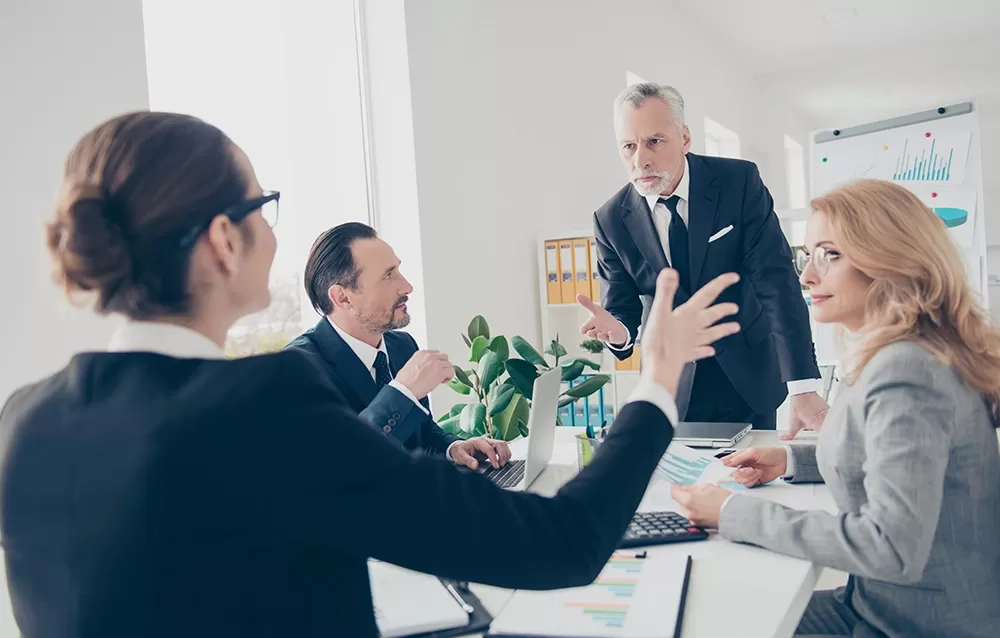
x=631, y=597
x=686, y=466
x=936, y=158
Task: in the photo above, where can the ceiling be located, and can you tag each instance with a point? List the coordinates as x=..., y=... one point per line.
x=843, y=62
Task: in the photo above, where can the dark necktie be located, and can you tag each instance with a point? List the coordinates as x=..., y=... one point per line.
x=678, y=239
x=382, y=374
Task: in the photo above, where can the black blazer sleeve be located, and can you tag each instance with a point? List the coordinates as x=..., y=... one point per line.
x=768, y=262
x=619, y=294
x=432, y=437
x=351, y=488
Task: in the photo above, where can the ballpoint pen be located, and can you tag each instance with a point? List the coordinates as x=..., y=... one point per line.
x=466, y=607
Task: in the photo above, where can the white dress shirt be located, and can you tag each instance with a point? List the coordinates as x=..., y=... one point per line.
x=183, y=343
x=661, y=221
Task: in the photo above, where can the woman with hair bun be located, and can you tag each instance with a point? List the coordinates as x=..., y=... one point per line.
x=158, y=489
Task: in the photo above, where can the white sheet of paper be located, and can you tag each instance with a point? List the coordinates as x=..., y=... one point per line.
x=408, y=602
x=632, y=598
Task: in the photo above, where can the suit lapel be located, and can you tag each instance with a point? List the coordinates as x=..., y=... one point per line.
x=703, y=203
x=639, y=222
x=343, y=362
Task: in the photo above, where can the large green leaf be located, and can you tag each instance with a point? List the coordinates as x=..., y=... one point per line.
x=459, y=387
x=522, y=375
x=499, y=345
x=593, y=365
x=588, y=387
x=528, y=352
x=455, y=411
x=490, y=367
x=479, y=328
x=478, y=349
x=462, y=376
x=572, y=371
x=505, y=424
x=473, y=417
x=556, y=349
x=502, y=400
x=453, y=425
x=563, y=402
x=522, y=427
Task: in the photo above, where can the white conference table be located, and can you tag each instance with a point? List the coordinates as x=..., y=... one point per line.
x=735, y=590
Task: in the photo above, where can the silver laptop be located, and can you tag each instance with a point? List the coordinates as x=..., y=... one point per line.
x=519, y=475
x=714, y=435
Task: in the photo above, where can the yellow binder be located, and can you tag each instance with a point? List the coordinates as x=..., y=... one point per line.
x=635, y=357
x=552, y=271
x=581, y=266
x=595, y=281
x=567, y=286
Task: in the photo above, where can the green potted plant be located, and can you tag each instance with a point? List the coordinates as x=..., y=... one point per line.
x=502, y=384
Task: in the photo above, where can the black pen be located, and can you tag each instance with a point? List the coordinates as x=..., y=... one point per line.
x=466, y=607
x=641, y=554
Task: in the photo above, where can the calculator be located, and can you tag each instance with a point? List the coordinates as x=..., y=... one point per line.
x=657, y=528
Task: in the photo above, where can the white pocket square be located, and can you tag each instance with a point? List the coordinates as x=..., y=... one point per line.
x=721, y=233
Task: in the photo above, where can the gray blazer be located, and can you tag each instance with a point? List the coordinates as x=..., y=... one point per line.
x=912, y=461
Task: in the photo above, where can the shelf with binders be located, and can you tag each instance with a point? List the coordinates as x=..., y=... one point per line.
x=562, y=316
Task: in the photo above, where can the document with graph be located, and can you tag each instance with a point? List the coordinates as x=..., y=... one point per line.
x=632, y=598
x=687, y=466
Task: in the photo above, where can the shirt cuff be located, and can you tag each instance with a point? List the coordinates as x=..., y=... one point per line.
x=628, y=342
x=447, y=451
x=789, y=462
x=801, y=386
x=657, y=395
x=402, y=389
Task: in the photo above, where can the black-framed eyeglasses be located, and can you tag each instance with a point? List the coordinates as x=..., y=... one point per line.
x=267, y=203
x=820, y=259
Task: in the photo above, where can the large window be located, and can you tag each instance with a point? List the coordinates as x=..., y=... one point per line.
x=720, y=141
x=795, y=173
x=281, y=78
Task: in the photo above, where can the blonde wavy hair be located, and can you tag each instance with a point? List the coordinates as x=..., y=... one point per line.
x=919, y=290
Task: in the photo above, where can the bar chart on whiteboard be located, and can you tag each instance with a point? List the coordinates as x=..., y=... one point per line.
x=939, y=159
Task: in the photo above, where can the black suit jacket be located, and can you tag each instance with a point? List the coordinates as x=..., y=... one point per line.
x=775, y=343
x=143, y=495
x=387, y=409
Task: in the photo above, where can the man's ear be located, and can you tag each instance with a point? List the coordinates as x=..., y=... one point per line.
x=339, y=296
x=686, y=137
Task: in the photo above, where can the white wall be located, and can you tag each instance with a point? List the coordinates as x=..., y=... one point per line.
x=513, y=136
x=66, y=66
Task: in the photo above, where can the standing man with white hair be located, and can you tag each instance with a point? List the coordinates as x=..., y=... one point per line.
x=703, y=216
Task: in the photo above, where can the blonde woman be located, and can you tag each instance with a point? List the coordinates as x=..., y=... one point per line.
x=909, y=449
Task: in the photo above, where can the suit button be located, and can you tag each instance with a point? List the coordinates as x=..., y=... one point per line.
x=387, y=429
x=395, y=416
x=392, y=421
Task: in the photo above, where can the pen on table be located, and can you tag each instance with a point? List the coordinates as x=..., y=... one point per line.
x=466, y=607
x=641, y=554
x=590, y=431
x=604, y=428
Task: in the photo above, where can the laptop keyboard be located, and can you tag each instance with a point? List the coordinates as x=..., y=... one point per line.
x=507, y=476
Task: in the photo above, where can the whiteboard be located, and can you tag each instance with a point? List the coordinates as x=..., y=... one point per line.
x=938, y=159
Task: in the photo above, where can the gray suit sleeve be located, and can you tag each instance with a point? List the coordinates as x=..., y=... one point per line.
x=806, y=470
x=908, y=415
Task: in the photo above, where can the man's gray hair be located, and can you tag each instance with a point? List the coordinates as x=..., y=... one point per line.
x=636, y=94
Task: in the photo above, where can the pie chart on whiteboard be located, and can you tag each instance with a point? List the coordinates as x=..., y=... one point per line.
x=952, y=217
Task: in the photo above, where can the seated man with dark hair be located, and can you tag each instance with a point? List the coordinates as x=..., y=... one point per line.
x=352, y=277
